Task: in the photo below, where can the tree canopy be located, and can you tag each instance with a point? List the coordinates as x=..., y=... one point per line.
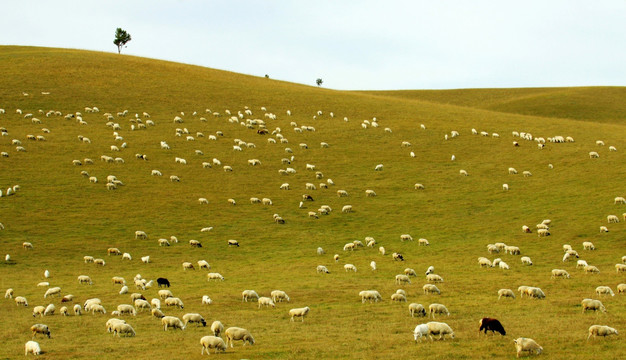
x=121, y=38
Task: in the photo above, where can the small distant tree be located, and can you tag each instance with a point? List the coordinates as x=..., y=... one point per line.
x=121, y=38
x=319, y=81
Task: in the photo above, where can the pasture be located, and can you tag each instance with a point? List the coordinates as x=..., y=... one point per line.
x=66, y=217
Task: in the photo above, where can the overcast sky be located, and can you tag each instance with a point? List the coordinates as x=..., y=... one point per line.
x=351, y=44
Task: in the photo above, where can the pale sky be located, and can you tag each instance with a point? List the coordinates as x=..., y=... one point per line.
x=350, y=44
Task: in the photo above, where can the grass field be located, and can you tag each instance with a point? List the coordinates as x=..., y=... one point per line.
x=66, y=217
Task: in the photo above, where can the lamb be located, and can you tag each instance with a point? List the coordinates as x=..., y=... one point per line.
x=559, y=273
x=265, y=301
x=437, y=309
x=299, y=312
x=491, y=324
x=595, y=305
x=32, y=347
x=527, y=344
x=172, y=322
x=193, y=318
x=417, y=309
x=601, y=330
x=505, y=293
x=370, y=295
x=279, y=296
x=249, y=294
x=420, y=331
x=212, y=342
x=40, y=329
x=174, y=301
x=439, y=328
x=604, y=290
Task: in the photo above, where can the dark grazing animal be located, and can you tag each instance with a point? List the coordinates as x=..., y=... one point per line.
x=163, y=281
x=491, y=324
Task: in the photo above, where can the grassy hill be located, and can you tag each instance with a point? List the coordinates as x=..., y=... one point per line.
x=66, y=217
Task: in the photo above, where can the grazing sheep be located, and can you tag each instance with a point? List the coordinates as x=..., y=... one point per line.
x=439, y=328
x=349, y=267
x=299, y=312
x=346, y=209
x=50, y=309
x=379, y=167
x=32, y=347
x=77, y=309
x=122, y=328
x=188, y=265
x=381, y=250
x=621, y=288
x=593, y=155
x=156, y=303
x=402, y=279
x=370, y=295
x=505, y=293
x=526, y=260
x=84, y=279
x=40, y=329
x=419, y=186
x=527, y=344
x=492, y=324
x=212, y=342
x=172, y=322
x=20, y=300
x=140, y=234
x=27, y=245
x=595, y=305
x=52, y=291
x=406, y=237
x=214, y=276
x=195, y=243
x=249, y=294
x=38, y=310
x=604, y=229
x=431, y=289
x=193, y=318
x=620, y=268
x=534, y=292
x=543, y=232
x=559, y=273
x=279, y=296
x=484, y=262
x=217, y=327
x=265, y=301
x=236, y=333
x=421, y=331
x=145, y=259
x=164, y=294
x=157, y=313
x=437, y=309
x=123, y=309
x=8, y=294
x=417, y=309
x=587, y=245
x=397, y=257
x=434, y=278
x=601, y=330
x=202, y=264
x=463, y=172
x=174, y=301
x=604, y=290
x=591, y=269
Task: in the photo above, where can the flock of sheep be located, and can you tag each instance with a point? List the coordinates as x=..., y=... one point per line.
x=261, y=127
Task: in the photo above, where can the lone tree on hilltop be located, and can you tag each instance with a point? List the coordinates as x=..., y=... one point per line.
x=319, y=81
x=121, y=38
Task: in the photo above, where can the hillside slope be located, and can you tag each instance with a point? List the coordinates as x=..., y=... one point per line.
x=202, y=114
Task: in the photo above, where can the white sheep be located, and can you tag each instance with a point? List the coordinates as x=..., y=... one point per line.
x=431, y=289
x=434, y=278
x=140, y=234
x=20, y=300
x=299, y=312
x=145, y=259
x=402, y=279
x=421, y=331
x=193, y=318
x=534, y=292
x=406, y=237
x=527, y=344
x=593, y=155
x=52, y=291
x=398, y=297
x=601, y=330
x=526, y=260
x=430, y=270
x=505, y=293
x=463, y=172
x=370, y=296
x=279, y=296
x=620, y=268
x=214, y=276
x=212, y=342
x=417, y=309
x=439, y=328
x=349, y=267
x=612, y=219
x=174, y=301
x=559, y=273
x=265, y=301
x=591, y=269
x=126, y=309
x=203, y=264
x=172, y=322
x=604, y=290
x=84, y=279
x=378, y=167
x=236, y=333
x=8, y=294
x=437, y=309
x=217, y=327
x=249, y=294
x=40, y=329
x=587, y=245
x=595, y=305
x=32, y=347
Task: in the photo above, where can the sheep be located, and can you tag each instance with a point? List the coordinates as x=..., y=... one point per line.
x=599, y=142
x=122, y=328
x=534, y=292
x=559, y=273
x=370, y=295
x=601, y=330
x=439, y=328
x=32, y=347
x=503, y=265
x=195, y=243
x=52, y=291
x=349, y=267
x=513, y=250
x=543, y=233
x=43, y=283
x=437, y=309
x=266, y=201
x=164, y=294
x=279, y=296
x=20, y=300
x=587, y=245
x=265, y=301
x=143, y=304
x=492, y=324
x=342, y=193
x=193, y=318
x=620, y=200
x=349, y=246
x=140, y=234
x=27, y=245
x=126, y=256
x=38, y=310
x=595, y=305
x=431, y=289
x=212, y=342
x=420, y=331
x=581, y=264
x=526, y=260
x=188, y=265
x=40, y=329
x=146, y=259
x=236, y=333
x=505, y=293
x=409, y=272
x=484, y=262
x=217, y=327
x=604, y=229
x=8, y=294
x=174, y=301
x=434, y=278
x=157, y=313
x=126, y=309
x=612, y=148
x=381, y=250
x=593, y=155
x=406, y=237
x=249, y=294
x=77, y=309
x=621, y=288
x=512, y=171
x=398, y=297
x=604, y=290
x=172, y=322
x=417, y=309
x=397, y=257
x=378, y=167
x=156, y=303
x=299, y=312
x=620, y=268
x=214, y=276
x=402, y=279
x=50, y=309
x=527, y=344
x=591, y=269
x=527, y=173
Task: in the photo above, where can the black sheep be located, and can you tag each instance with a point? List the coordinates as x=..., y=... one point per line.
x=491, y=324
x=163, y=281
